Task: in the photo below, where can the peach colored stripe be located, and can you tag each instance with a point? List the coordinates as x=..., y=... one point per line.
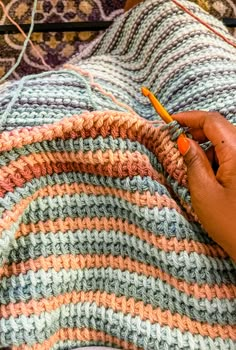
x=108, y=163
x=146, y=199
x=124, y=264
x=82, y=335
x=104, y=123
x=114, y=123
x=129, y=306
x=161, y=242
x=121, y=165
x=123, y=226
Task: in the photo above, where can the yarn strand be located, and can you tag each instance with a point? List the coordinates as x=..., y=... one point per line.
x=27, y=40
x=177, y=3
x=24, y=35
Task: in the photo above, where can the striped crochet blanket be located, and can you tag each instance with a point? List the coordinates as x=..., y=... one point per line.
x=99, y=244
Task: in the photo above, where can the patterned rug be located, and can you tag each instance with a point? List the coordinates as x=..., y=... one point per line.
x=57, y=48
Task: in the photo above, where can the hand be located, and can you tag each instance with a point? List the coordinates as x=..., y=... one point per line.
x=213, y=193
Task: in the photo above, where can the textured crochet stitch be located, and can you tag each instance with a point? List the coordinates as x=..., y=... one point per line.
x=99, y=244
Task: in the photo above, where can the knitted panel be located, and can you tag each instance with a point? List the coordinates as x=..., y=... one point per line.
x=99, y=244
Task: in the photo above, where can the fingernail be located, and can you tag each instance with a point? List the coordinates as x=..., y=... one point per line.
x=183, y=144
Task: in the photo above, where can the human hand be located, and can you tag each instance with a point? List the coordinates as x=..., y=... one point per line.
x=213, y=193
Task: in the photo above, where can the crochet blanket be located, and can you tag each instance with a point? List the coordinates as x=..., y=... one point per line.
x=57, y=48
x=99, y=244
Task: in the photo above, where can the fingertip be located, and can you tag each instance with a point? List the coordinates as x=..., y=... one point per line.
x=189, y=118
x=183, y=144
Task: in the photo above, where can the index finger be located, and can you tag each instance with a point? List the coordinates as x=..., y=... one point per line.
x=214, y=126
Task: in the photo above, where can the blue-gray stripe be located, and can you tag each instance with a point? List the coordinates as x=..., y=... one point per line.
x=89, y=315
x=80, y=144
x=132, y=285
x=165, y=221
x=180, y=265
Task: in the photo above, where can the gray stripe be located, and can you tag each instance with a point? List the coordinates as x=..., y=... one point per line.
x=80, y=144
x=164, y=221
x=89, y=315
x=122, y=283
x=137, y=183
x=192, y=268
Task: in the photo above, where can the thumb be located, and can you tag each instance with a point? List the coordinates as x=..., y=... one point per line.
x=200, y=173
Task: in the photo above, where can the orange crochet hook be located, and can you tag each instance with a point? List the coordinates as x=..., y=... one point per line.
x=182, y=140
x=157, y=105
